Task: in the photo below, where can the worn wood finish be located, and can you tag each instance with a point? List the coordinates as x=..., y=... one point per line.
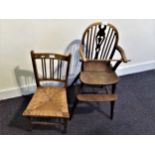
x=96, y=97
x=98, y=78
x=98, y=73
x=122, y=53
x=113, y=89
x=97, y=50
x=97, y=66
x=108, y=45
x=51, y=67
x=49, y=101
x=47, y=123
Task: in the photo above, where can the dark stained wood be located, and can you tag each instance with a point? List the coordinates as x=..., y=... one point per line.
x=109, y=46
x=49, y=101
x=47, y=123
x=55, y=67
x=34, y=68
x=100, y=66
x=96, y=97
x=99, y=44
x=104, y=45
x=112, y=109
x=93, y=46
x=110, y=40
x=98, y=78
x=51, y=68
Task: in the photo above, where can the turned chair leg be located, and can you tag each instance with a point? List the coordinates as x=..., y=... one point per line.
x=29, y=124
x=65, y=126
x=112, y=110
x=113, y=88
x=113, y=102
x=78, y=90
x=73, y=109
x=81, y=87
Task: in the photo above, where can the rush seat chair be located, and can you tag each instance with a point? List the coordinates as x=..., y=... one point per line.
x=50, y=101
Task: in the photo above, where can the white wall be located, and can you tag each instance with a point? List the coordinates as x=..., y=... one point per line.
x=18, y=37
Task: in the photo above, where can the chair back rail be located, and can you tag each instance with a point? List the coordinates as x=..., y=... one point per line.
x=50, y=67
x=99, y=41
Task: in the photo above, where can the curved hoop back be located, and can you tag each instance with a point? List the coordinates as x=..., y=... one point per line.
x=99, y=41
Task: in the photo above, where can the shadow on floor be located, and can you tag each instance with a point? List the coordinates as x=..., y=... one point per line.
x=18, y=120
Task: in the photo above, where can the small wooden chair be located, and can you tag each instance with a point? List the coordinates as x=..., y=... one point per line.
x=49, y=101
x=100, y=55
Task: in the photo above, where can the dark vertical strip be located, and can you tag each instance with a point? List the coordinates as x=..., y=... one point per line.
x=106, y=50
x=67, y=70
x=93, y=44
x=60, y=69
x=110, y=46
x=35, y=69
x=114, y=45
x=42, y=64
x=104, y=45
x=87, y=42
x=57, y=70
x=51, y=69
x=90, y=43
x=53, y=72
x=45, y=68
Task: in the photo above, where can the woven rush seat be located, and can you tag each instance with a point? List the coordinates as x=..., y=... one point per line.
x=96, y=97
x=48, y=102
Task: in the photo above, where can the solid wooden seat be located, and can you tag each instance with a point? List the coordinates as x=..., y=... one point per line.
x=100, y=66
x=96, y=97
x=99, y=78
x=48, y=102
x=98, y=73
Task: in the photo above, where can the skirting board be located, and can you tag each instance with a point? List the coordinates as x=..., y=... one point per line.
x=16, y=92
x=124, y=70
x=136, y=68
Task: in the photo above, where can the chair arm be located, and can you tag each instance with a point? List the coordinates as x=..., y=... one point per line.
x=122, y=53
x=108, y=60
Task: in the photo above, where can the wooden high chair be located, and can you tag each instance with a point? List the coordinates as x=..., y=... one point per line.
x=100, y=55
